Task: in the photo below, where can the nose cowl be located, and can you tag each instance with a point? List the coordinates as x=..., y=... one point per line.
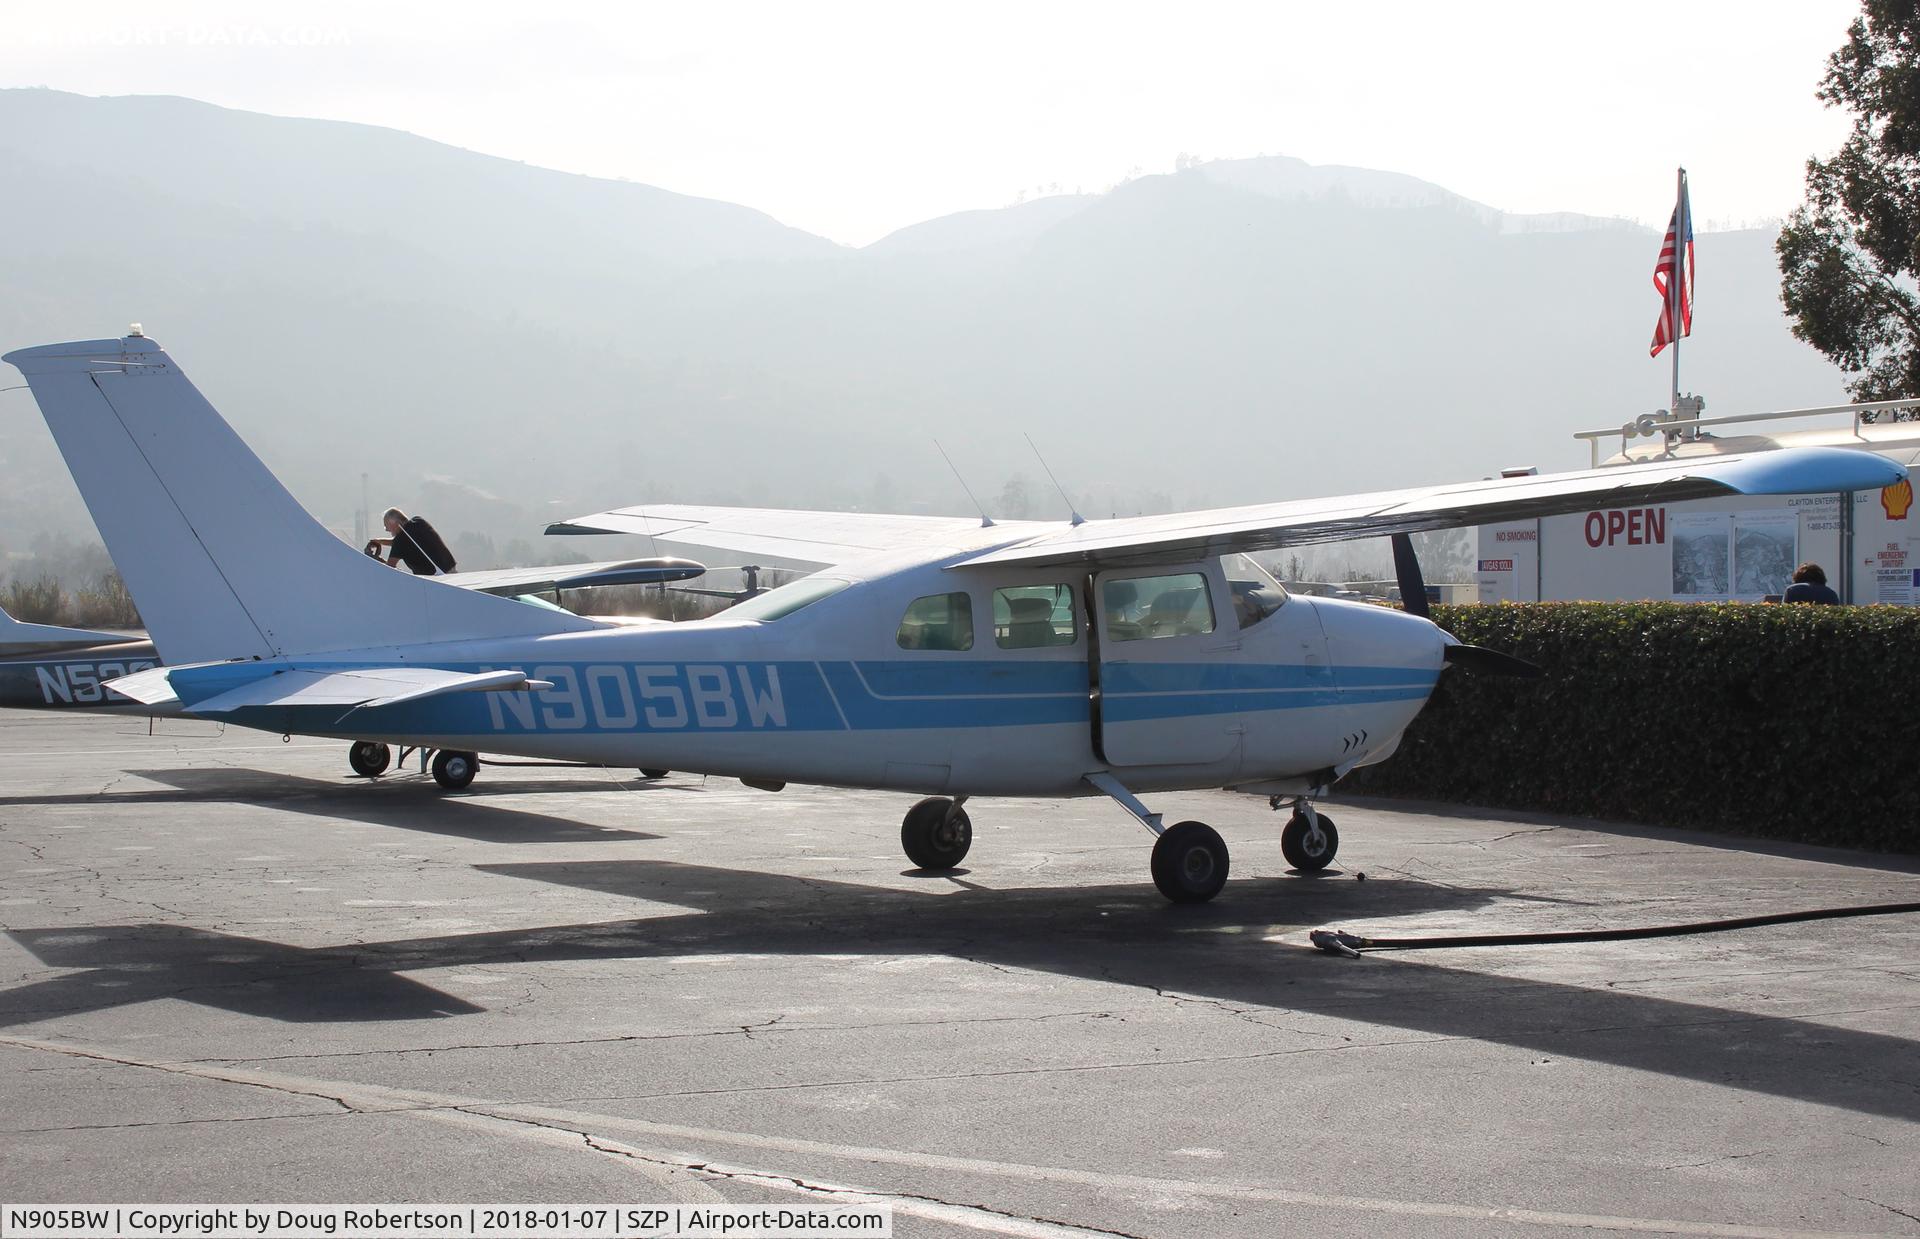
x=1361, y=636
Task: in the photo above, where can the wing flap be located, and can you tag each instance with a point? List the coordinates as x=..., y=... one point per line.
x=575, y=576
x=1193, y=535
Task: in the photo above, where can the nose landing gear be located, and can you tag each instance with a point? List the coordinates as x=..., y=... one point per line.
x=1309, y=840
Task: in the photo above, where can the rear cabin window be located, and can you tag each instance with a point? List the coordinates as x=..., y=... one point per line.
x=1027, y=617
x=1151, y=607
x=938, y=622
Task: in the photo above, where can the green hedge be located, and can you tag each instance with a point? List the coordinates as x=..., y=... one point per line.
x=1795, y=722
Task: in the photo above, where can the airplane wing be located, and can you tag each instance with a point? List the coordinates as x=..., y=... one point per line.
x=1186, y=536
x=574, y=576
x=778, y=538
x=290, y=687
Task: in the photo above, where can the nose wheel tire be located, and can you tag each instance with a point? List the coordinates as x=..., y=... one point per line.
x=454, y=771
x=936, y=834
x=1305, y=850
x=655, y=774
x=1190, y=862
x=369, y=759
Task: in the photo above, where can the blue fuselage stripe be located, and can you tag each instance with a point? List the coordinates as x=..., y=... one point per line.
x=795, y=696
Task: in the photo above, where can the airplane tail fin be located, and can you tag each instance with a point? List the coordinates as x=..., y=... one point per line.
x=221, y=560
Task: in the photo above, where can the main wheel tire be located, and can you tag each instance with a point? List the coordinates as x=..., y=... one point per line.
x=454, y=770
x=935, y=835
x=1304, y=852
x=654, y=774
x=369, y=758
x=1190, y=862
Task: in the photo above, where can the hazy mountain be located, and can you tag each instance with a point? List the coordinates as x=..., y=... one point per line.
x=1016, y=226
x=1293, y=180
x=358, y=300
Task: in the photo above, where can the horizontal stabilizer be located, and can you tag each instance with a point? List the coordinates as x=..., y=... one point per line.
x=149, y=687
x=359, y=688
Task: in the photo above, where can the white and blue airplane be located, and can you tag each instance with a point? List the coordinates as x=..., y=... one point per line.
x=946, y=657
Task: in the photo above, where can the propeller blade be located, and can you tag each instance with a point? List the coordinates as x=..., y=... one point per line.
x=1406, y=567
x=1478, y=658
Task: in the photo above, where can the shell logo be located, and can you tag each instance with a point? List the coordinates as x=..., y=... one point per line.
x=1896, y=499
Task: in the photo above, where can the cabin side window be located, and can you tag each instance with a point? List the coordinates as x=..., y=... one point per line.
x=938, y=622
x=1027, y=617
x=1151, y=607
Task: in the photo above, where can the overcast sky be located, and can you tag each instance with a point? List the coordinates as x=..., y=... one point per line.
x=851, y=120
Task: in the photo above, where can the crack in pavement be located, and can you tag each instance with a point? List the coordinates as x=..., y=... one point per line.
x=747, y=1030
x=1514, y=834
x=917, y=1204
x=376, y=1099
x=1867, y=1200
x=1714, y=1161
x=343, y=1112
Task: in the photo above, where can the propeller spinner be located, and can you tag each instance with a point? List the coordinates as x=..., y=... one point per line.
x=1413, y=596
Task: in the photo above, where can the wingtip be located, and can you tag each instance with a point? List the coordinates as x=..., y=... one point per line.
x=1810, y=470
x=77, y=349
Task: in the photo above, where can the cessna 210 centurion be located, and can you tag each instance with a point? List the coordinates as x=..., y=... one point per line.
x=951, y=658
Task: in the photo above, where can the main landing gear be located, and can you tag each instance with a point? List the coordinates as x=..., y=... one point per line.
x=1190, y=862
x=369, y=758
x=452, y=769
x=936, y=833
x=1189, y=859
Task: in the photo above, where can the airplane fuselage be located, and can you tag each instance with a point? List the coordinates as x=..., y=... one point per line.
x=850, y=689
x=72, y=678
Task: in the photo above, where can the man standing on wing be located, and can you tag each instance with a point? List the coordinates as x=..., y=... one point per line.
x=415, y=543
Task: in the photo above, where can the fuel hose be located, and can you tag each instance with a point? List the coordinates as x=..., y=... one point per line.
x=1340, y=942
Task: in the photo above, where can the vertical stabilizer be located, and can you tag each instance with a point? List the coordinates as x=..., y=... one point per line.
x=220, y=559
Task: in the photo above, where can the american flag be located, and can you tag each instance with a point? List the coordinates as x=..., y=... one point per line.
x=1668, y=270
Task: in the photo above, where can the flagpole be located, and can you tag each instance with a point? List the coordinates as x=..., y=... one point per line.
x=1674, y=286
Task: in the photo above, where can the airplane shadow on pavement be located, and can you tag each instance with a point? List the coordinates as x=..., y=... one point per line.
x=1117, y=934
x=410, y=805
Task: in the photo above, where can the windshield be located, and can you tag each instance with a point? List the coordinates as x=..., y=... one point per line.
x=780, y=603
x=1256, y=594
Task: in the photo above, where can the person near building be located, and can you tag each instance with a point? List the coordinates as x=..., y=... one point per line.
x=1810, y=585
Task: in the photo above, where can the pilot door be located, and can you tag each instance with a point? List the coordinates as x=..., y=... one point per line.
x=1162, y=667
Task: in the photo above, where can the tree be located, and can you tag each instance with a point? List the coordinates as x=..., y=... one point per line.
x=1849, y=255
x=1016, y=502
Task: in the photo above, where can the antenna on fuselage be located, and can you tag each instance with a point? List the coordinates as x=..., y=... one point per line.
x=1071, y=509
x=986, y=522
